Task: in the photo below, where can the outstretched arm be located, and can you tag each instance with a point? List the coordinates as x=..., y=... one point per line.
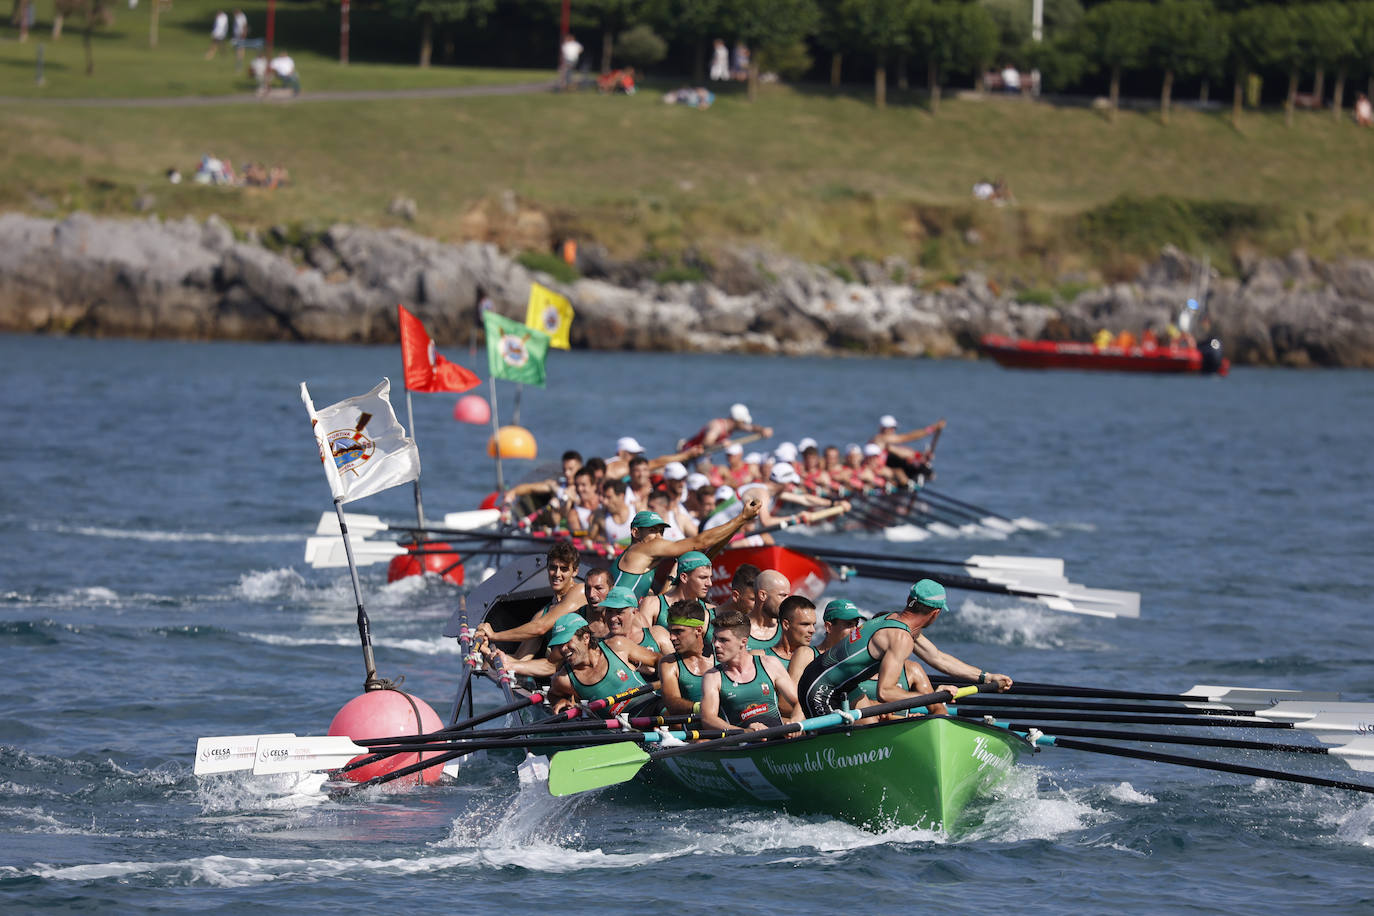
x=940, y=660
x=919, y=433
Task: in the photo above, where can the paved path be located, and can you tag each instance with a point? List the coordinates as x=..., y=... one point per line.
x=281, y=96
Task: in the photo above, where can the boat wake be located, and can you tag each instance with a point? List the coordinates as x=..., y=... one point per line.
x=421, y=646
x=215, y=537
x=1020, y=623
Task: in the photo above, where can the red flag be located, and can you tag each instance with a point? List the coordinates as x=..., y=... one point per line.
x=425, y=369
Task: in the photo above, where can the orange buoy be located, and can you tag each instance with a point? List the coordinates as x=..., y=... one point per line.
x=516, y=442
x=472, y=408
x=433, y=557
x=387, y=714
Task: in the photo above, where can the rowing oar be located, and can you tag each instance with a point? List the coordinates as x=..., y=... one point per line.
x=988, y=517
x=1358, y=754
x=1328, y=728
x=1073, y=598
x=594, y=767
x=1236, y=697
x=1111, y=750
x=1048, y=567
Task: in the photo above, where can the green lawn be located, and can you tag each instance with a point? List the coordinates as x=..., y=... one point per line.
x=821, y=174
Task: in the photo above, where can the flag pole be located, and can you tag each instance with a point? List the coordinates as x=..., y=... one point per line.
x=496, y=438
x=419, y=504
x=371, y=681
x=519, y=390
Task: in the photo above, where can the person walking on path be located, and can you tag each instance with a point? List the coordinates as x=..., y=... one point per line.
x=240, y=36
x=218, y=32
x=720, y=62
x=568, y=55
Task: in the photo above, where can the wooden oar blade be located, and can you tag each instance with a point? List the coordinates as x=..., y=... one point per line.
x=586, y=768
x=302, y=755
x=228, y=753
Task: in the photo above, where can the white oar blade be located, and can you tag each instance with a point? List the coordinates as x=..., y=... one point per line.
x=472, y=521
x=533, y=770
x=1071, y=607
x=942, y=530
x=997, y=524
x=1048, y=566
x=299, y=755
x=1298, y=712
x=1254, y=697
x=1029, y=524
x=1358, y=753
x=227, y=753
x=329, y=553
x=358, y=524
x=1338, y=727
x=1101, y=602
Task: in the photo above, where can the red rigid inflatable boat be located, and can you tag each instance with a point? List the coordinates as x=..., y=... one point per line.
x=1052, y=354
x=808, y=575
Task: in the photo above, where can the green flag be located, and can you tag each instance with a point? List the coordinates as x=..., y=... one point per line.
x=515, y=352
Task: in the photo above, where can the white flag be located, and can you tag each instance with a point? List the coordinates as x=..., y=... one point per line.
x=364, y=447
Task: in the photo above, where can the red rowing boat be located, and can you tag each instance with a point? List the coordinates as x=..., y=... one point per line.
x=808, y=575
x=1053, y=354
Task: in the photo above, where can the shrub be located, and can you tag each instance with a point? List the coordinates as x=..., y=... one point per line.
x=550, y=264
x=640, y=47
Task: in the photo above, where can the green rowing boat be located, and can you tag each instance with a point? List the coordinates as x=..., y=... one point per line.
x=916, y=772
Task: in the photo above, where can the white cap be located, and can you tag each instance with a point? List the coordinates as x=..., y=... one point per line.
x=723, y=493
x=754, y=458
x=697, y=481
x=675, y=470
x=806, y=443
x=740, y=414
x=784, y=473
x=887, y=421
x=785, y=451
x=853, y=447
x=873, y=449
x=628, y=444
x=734, y=449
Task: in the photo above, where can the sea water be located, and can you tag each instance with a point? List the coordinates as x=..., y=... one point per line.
x=154, y=507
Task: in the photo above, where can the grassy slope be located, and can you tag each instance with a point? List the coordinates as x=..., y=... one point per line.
x=817, y=173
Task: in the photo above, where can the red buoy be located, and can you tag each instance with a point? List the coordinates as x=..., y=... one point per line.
x=387, y=714
x=433, y=556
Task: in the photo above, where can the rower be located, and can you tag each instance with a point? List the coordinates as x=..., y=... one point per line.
x=743, y=689
x=555, y=487
x=796, y=627
x=840, y=618
x=594, y=588
x=881, y=646
x=692, y=583
x=616, y=515
x=596, y=670
x=635, y=567
x=680, y=672
x=779, y=488
x=721, y=428
x=907, y=462
x=770, y=588
x=662, y=504
x=742, y=589
x=561, y=566
x=641, y=483
x=579, y=513
x=620, y=607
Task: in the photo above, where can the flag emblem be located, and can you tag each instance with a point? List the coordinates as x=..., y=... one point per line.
x=513, y=351
x=350, y=448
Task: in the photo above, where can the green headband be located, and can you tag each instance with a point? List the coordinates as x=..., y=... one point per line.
x=685, y=622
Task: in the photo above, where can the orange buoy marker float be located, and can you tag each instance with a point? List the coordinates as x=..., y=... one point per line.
x=473, y=409
x=432, y=557
x=516, y=442
x=385, y=714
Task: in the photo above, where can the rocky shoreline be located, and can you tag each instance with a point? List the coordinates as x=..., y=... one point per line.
x=189, y=280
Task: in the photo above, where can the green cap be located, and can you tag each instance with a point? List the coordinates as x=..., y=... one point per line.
x=647, y=519
x=619, y=597
x=565, y=627
x=928, y=592
x=692, y=559
x=840, y=609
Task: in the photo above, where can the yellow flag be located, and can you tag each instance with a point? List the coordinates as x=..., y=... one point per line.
x=550, y=313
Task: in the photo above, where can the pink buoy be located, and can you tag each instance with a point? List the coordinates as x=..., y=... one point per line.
x=386, y=714
x=472, y=408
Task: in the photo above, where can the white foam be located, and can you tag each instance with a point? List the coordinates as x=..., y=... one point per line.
x=217, y=537
x=233, y=871
x=272, y=583
x=1020, y=812
x=432, y=646
x=1127, y=794
x=1017, y=624
x=1358, y=826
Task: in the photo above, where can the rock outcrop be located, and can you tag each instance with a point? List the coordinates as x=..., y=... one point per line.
x=192, y=280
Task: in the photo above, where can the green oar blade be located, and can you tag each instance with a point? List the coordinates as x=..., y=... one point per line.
x=586, y=768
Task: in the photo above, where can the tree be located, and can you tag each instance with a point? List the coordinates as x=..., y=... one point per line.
x=770, y=24
x=1249, y=31
x=1113, y=37
x=979, y=40
x=1285, y=50
x=640, y=47
x=611, y=17
x=834, y=35
x=1328, y=33
x=935, y=36
x=694, y=21
x=92, y=14
x=1184, y=40
x=430, y=12
x=883, y=29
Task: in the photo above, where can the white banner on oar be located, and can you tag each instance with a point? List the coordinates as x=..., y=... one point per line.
x=364, y=447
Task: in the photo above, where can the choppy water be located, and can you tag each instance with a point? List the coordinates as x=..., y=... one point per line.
x=154, y=505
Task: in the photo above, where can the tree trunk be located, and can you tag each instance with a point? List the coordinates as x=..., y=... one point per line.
x=449, y=45
x=753, y=78
x=56, y=26
x=1238, y=97
x=1166, y=96
x=607, y=45
x=154, y=9
x=426, y=38
x=24, y=20
x=1114, y=94
x=1319, y=85
x=836, y=62
x=1291, y=101
x=880, y=84
x=1338, y=92
x=86, y=43
x=1204, y=91
x=902, y=82
x=933, y=84
x=699, y=63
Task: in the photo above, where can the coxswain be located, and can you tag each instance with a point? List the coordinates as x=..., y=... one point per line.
x=770, y=588
x=680, y=672
x=743, y=689
x=562, y=562
x=721, y=428
x=636, y=566
x=880, y=646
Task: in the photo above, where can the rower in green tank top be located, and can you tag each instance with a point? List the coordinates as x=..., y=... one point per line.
x=681, y=673
x=620, y=610
x=635, y=567
x=770, y=588
x=744, y=690
x=599, y=670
